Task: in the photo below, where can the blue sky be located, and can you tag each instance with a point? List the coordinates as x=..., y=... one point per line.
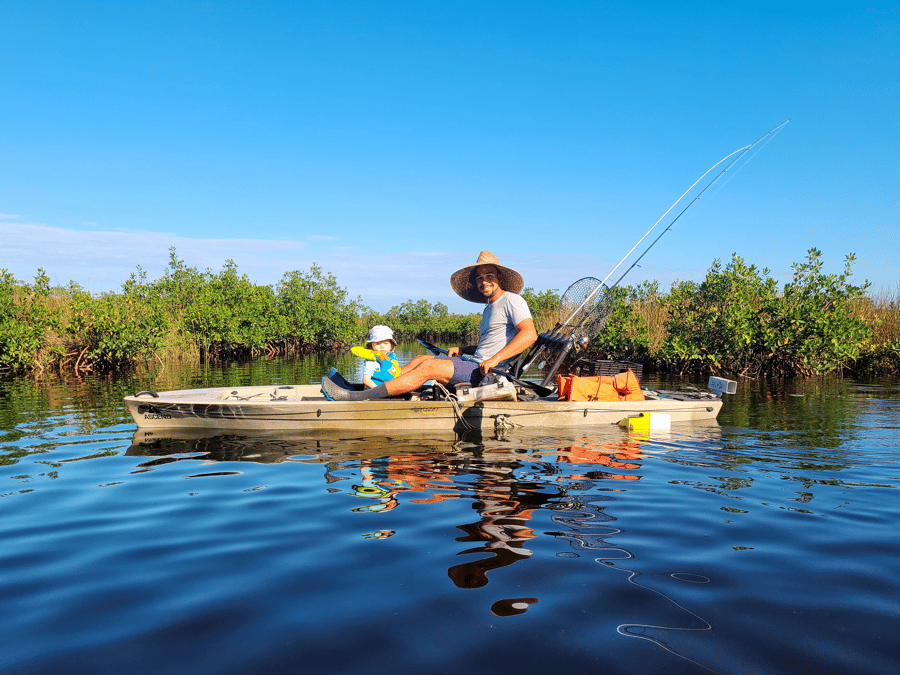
x=390, y=142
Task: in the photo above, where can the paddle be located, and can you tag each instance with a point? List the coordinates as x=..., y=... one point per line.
x=536, y=388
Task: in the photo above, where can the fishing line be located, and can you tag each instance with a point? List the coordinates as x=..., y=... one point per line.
x=683, y=211
x=728, y=179
x=653, y=227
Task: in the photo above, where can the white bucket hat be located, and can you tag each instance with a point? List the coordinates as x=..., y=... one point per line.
x=380, y=334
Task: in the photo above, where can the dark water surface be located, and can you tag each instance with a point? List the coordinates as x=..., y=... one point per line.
x=768, y=543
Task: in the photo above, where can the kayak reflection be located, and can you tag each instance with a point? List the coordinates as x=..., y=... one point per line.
x=266, y=447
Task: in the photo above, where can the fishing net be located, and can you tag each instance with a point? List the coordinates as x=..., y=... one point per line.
x=584, y=309
x=578, y=301
x=592, y=322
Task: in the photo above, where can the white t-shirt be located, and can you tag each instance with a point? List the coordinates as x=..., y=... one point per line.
x=498, y=325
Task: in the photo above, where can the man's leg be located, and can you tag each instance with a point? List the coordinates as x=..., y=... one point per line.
x=417, y=360
x=413, y=378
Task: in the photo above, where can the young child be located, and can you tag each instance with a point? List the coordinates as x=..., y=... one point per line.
x=381, y=362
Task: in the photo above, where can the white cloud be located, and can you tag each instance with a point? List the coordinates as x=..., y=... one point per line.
x=103, y=260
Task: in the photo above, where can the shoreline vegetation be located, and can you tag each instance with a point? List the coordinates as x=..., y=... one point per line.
x=738, y=322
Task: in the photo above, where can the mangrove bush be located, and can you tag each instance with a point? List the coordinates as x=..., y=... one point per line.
x=736, y=321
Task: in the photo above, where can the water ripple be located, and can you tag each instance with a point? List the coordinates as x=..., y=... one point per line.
x=763, y=545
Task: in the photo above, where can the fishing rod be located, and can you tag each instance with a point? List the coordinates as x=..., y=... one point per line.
x=743, y=151
x=735, y=157
x=740, y=152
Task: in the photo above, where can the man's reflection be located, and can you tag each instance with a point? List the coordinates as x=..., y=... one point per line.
x=505, y=504
x=505, y=509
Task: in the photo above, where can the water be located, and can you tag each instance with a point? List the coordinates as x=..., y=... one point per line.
x=765, y=544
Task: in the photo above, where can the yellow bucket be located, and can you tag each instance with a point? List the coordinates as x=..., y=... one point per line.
x=646, y=422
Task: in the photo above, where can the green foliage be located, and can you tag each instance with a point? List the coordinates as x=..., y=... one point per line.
x=625, y=335
x=314, y=312
x=229, y=315
x=880, y=359
x=544, y=308
x=421, y=319
x=114, y=330
x=718, y=325
x=815, y=330
x=645, y=291
x=416, y=318
x=25, y=321
x=216, y=315
x=737, y=322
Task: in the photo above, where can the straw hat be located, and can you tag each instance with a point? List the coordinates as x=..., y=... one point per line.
x=462, y=283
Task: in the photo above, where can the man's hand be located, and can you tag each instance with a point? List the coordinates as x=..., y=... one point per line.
x=453, y=351
x=488, y=365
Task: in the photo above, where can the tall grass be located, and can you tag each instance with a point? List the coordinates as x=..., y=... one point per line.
x=881, y=313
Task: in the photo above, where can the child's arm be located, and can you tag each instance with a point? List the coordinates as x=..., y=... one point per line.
x=369, y=368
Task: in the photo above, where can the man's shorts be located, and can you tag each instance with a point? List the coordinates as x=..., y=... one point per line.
x=464, y=372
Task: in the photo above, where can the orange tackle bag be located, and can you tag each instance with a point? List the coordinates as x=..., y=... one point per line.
x=623, y=387
x=628, y=386
x=595, y=388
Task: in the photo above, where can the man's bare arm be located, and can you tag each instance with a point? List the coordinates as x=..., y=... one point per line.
x=523, y=339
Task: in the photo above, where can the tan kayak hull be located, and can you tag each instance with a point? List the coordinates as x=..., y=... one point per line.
x=302, y=407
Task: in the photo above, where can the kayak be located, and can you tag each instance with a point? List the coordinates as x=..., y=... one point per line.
x=305, y=408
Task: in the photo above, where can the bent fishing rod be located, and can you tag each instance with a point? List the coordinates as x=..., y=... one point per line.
x=737, y=154
x=735, y=157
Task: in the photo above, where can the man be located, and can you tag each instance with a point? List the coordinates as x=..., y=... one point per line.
x=506, y=331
